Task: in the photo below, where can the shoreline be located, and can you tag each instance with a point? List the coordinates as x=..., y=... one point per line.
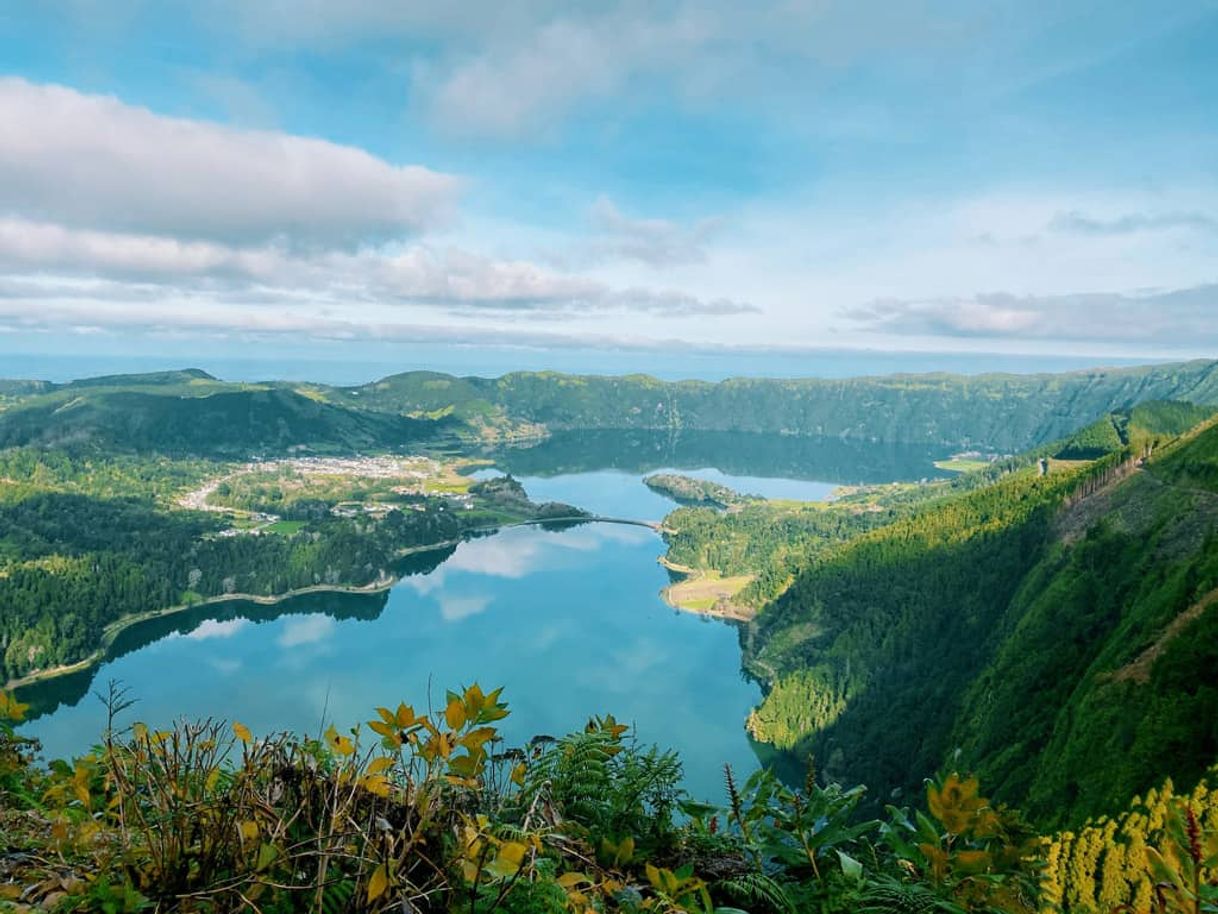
x=111, y=632
x=722, y=609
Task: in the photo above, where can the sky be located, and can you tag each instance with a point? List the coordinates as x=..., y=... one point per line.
x=647, y=178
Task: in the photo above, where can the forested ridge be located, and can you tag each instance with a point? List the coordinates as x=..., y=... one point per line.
x=1003, y=413
x=1034, y=617
x=190, y=410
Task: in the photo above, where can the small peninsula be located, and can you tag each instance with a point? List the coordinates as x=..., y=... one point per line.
x=688, y=490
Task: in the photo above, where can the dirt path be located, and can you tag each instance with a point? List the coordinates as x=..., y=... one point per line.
x=1138, y=670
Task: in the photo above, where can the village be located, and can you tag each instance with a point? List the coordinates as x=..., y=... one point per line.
x=415, y=477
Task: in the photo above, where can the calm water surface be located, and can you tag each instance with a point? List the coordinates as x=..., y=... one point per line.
x=569, y=622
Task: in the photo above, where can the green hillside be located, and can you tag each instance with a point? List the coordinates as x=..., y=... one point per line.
x=201, y=420
x=1035, y=624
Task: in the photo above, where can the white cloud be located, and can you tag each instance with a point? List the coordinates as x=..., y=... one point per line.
x=418, y=274
x=309, y=630
x=654, y=242
x=131, y=310
x=1129, y=223
x=516, y=70
x=92, y=161
x=26, y=245
x=455, y=608
x=1149, y=316
x=210, y=628
x=504, y=94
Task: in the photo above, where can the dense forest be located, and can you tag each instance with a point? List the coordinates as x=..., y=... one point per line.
x=88, y=537
x=1031, y=617
x=72, y=565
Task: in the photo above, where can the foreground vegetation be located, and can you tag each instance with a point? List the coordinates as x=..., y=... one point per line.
x=428, y=812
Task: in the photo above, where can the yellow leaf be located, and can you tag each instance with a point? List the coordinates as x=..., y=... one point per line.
x=249, y=830
x=382, y=728
x=568, y=880
x=377, y=784
x=475, y=739
x=465, y=765
x=139, y=731
x=454, y=714
x=625, y=851
x=405, y=715
x=513, y=852
x=379, y=765
x=973, y=861
x=11, y=708
x=266, y=856
x=242, y=732
x=378, y=883
x=518, y=774
x=339, y=743
x=508, y=860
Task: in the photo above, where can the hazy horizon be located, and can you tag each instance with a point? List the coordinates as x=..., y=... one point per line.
x=61, y=367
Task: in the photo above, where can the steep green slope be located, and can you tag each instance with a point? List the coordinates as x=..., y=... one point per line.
x=1147, y=424
x=225, y=423
x=1038, y=624
x=1000, y=412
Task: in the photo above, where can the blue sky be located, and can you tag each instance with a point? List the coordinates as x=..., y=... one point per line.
x=1012, y=177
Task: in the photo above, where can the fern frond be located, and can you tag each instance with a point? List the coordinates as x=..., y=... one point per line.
x=755, y=889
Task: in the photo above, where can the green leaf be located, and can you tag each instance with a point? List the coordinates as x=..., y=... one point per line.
x=851, y=868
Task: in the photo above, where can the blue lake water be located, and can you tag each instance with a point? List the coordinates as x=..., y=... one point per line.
x=569, y=622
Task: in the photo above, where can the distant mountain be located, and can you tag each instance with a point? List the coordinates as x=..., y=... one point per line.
x=1005, y=413
x=146, y=379
x=15, y=387
x=996, y=413
x=151, y=416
